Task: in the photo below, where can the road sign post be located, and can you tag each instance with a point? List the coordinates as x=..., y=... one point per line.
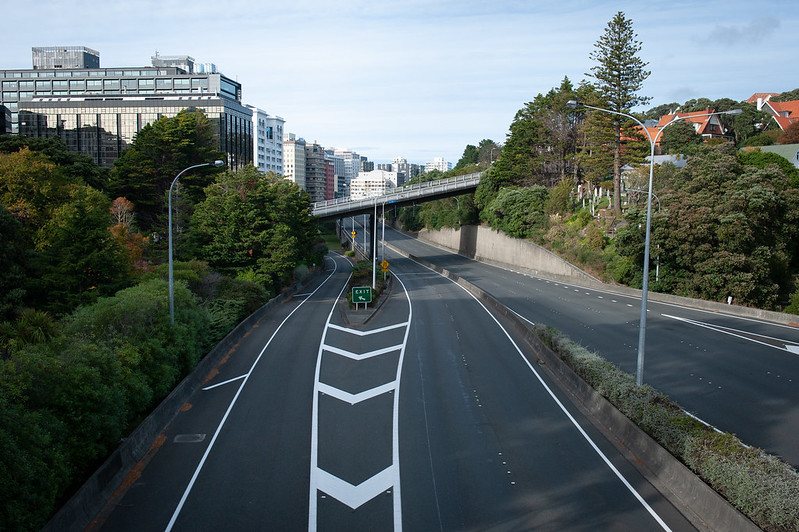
x=361, y=294
x=384, y=268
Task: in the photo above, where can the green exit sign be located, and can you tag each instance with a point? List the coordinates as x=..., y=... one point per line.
x=361, y=294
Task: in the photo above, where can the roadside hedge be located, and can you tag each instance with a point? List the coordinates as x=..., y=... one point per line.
x=759, y=485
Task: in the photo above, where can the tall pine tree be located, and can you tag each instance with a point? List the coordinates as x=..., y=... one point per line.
x=619, y=75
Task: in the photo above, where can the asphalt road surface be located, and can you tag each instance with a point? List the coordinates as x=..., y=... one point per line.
x=739, y=375
x=426, y=417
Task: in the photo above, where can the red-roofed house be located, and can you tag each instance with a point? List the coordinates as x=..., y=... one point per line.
x=785, y=113
x=708, y=126
x=759, y=98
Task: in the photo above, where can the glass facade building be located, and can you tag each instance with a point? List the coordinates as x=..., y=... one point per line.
x=98, y=111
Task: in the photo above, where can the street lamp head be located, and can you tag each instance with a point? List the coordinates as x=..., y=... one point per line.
x=573, y=104
x=734, y=112
x=218, y=163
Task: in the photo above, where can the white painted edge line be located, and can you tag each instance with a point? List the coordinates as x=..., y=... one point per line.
x=366, y=333
x=362, y=356
x=354, y=398
x=233, y=403
x=234, y=379
x=351, y=495
x=570, y=417
x=790, y=346
x=520, y=316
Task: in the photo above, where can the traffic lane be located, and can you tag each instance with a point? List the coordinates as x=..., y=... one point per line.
x=485, y=443
x=154, y=496
x=739, y=388
x=354, y=474
x=496, y=278
x=758, y=398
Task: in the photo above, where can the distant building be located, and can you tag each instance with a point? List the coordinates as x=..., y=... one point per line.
x=366, y=165
x=315, y=172
x=98, y=111
x=294, y=159
x=64, y=57
x=268, y=143
x=438, y=164
x=371, y=184
x=704, y=124
x=330, y=180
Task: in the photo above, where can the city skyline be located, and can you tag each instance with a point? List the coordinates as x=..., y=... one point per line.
x=424, y=79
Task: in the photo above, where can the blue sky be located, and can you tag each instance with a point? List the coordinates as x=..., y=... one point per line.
x=416, y=78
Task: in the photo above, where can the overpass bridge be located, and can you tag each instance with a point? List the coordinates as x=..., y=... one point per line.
x=400, y=197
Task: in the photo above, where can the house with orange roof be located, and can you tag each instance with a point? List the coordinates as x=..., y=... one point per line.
x=759, y=98
x=709, y=127
x=785, y=113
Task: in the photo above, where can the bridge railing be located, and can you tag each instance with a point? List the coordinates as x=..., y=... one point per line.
x=415, y=190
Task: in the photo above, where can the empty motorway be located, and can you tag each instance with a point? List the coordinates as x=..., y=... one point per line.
x=426, y=417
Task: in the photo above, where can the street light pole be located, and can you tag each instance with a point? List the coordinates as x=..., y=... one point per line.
x=573, y=104
x=217, y=164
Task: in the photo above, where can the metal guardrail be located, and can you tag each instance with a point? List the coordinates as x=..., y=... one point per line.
x=403, y=193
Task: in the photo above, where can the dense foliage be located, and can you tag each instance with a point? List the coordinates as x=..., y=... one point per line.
x=724, y=229
x=159, y=152
x=86, y=344
x=255, y=226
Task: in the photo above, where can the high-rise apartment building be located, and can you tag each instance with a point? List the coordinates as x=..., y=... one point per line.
x=294, y=159
x=315, y=172
x=98, y=111
x=438, y=164
x=268, y=141
x=374, y=183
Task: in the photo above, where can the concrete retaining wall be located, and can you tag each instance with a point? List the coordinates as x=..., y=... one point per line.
x=495, y=247
x=699, y=503
x=488, y=245
x=80, y=511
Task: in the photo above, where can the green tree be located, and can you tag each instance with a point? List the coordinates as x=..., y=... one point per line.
x=75, y=166
x=788, y=96
x=469, y=157
x=256, y=223
x=619, y=75
x=519, y=212
x=159, y=152
x=541, y=145
x=31, y=188
x=79, y=257
x=488, y=152
x=13, y=254
x=760, y=159
x=724, y=229
x=681, y=138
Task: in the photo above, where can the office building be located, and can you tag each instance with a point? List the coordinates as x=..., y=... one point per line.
x=268, y=141
x=64, y=57
x=98, y=111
